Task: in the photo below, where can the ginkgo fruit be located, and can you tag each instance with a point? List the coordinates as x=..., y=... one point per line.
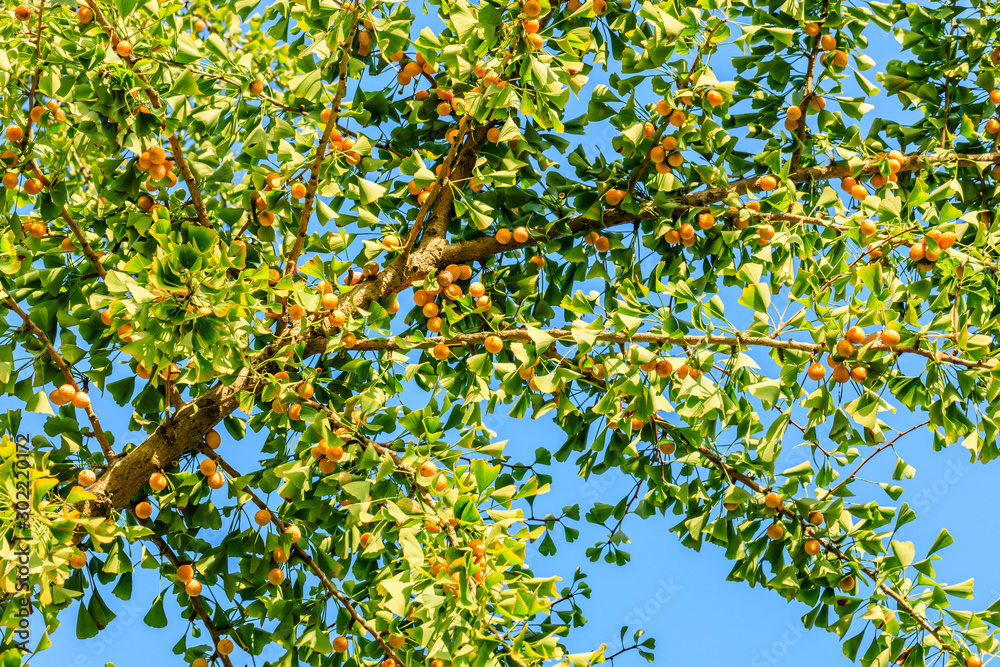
x=890, y=338
x=86, y=478
x=157, y=481
x=213, y=439
x=143, y=510
x=216, y=480
x=856, y=335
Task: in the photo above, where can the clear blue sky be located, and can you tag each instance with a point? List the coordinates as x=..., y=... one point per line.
x=676, y=595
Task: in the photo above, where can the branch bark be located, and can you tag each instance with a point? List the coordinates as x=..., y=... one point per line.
x=196, y=604
x=109, y=453
x=307, y=206
x=739, y=340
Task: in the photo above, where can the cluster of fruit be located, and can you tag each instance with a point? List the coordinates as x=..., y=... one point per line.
x=154, y=162
x=447, y=283
x=68, y=393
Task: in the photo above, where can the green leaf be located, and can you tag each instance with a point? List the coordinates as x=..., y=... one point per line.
x=756, y=297
x=904, y=551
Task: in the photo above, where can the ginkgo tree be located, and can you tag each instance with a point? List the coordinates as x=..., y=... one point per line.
x=352, y=231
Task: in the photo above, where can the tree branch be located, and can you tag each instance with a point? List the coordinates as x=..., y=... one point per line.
x=739, y=340
x=307, y=559
x=196, y=604
x=331, y=123
x=109, y=453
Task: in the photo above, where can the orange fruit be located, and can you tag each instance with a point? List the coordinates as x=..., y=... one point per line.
x=157, y=481
x=856, y=335
x=143, y=510
x=213, y=439
x=81, y=400
x=890, y=338
x=216, y=480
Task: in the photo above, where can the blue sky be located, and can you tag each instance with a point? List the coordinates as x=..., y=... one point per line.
x=678, y=596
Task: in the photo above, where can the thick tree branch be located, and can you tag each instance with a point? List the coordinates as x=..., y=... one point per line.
x=479, y=248
x=440, y=200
